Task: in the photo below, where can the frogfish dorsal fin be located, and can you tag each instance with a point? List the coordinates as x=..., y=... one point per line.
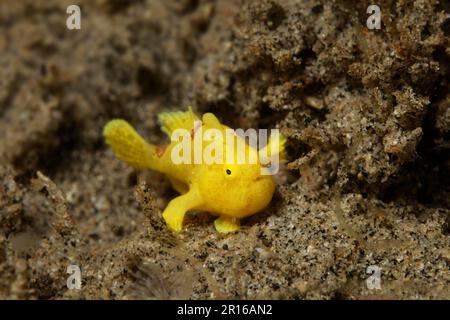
x=170, y=121
x=211, y=120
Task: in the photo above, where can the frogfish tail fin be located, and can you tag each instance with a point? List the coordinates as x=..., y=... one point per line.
x=128, y=145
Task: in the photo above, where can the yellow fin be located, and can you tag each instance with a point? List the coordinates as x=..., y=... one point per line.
x=270, y=148
x=177, y=208
x=127, y=144
x=226, y=225
x=211, y=120
x=170, y=121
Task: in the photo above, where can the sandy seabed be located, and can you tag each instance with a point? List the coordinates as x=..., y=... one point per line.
x=366, y=114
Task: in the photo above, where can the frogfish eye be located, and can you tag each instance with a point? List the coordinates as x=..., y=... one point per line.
x=228, y=171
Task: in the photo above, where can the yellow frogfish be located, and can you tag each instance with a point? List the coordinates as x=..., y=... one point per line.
x=227, y=187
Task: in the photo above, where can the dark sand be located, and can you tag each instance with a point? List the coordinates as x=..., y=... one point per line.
x=367, y=115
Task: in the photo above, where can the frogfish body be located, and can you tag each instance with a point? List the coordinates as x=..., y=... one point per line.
x=228, y=189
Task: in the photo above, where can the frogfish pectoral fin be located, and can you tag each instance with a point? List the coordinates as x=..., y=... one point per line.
x=177, y=208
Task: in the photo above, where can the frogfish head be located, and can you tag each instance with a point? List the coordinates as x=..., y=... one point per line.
x=236, y=190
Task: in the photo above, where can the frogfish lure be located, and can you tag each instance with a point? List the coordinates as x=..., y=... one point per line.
x=230, y=189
